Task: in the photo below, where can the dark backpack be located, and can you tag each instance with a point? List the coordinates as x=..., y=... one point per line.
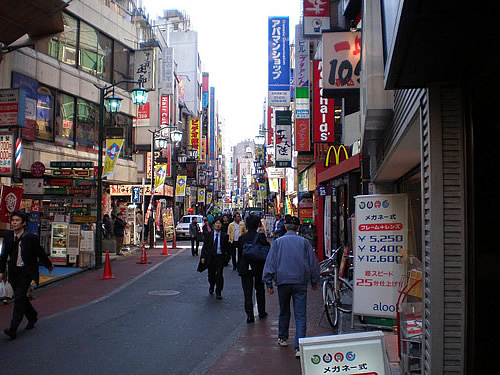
x=254, y=251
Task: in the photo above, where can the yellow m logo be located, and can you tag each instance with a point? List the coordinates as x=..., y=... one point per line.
x=336, y=151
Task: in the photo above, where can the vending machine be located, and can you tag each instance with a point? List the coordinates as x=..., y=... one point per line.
x=59, y=244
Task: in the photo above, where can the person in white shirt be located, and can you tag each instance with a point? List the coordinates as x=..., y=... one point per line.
x=235, y=230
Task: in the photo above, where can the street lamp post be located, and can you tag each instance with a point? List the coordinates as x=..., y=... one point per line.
x=108, y=100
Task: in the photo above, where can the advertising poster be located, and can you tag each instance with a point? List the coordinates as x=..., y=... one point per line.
x=209, y=197
x=180, y=186
x=160, y=174
x=381, y=237
x=279, y=62
x=113, y=148
x=12, y=107
x=143, y=115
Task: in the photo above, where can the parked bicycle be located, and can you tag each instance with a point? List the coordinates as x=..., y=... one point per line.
x=336, y=290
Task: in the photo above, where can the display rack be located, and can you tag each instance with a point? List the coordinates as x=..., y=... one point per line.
x=411, y=337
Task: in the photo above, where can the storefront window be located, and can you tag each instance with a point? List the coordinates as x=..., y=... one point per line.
x=123, y=68
x=86, y=124
x=65, y=120
x=95, y=52
x=45, y=114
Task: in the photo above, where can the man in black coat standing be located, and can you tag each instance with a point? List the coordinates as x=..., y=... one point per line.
x=22, y=249
x=215, y=255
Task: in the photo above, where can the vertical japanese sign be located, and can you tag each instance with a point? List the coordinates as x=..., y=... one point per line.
x=204, y=91
x=182, y=88
x=180, y=186
x=164, y=110
x=201, y=195
x=203, y=153
x=381, y=237
x=113, y=148
x=341, y=59
x=195, y=134
x=168, y=154
x=283, y=149
x=316, y=17
x=302, y=124
x=6, y=145
x=144, y=68
x=270, y=129
x=212, y=125
x=324, y=109
x=167, y=71
x=279, y=62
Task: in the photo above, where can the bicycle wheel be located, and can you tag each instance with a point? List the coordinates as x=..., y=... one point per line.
x=345, y=296
x=329, y=302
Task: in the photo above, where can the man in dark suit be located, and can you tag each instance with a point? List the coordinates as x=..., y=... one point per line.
x=215, y=255
x=22, y=249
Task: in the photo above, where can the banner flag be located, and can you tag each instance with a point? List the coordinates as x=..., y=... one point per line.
x=274, y=185
x=113, y=148
x=201, y=195
x=209, y=197
x=160, y=175
x=180, y=186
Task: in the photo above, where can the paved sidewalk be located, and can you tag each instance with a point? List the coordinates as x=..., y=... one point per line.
x=255, y=351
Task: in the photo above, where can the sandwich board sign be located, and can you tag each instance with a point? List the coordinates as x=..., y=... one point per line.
x=354, y=353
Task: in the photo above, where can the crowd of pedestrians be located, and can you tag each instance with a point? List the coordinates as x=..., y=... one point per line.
x=291, y=265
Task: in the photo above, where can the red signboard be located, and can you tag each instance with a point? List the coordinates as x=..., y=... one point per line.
x=10, y=201
x=164, y=110
x=302, y=135
x=269, y=126
x=323, y=108
x=60, y=181
x=62, y=172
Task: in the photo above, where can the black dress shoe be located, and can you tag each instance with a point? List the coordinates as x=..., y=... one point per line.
x=263, y=316
x=11, y=333
x=250, y=319
x=211, y=290
x=31, y=324
x=218, y=296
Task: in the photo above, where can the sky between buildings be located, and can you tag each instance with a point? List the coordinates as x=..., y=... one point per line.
x=232, y=42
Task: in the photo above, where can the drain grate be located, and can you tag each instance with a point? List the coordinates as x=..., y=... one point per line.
x=163, y=293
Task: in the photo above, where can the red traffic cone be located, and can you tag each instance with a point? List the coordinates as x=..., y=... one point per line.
x=144, y=257
x=107, y=274
x=165, y=246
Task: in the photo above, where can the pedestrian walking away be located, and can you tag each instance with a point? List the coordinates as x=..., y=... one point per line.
x=251, y=272
x=195, y=234
x=214, y=256
x=235, y=230
x=207, y=228
x=22, y=250
x=292, y=265
x=119, y=232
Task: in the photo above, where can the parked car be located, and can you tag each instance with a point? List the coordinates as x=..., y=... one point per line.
x=182, y=228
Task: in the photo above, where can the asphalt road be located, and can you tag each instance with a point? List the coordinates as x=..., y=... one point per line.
x=162, y=322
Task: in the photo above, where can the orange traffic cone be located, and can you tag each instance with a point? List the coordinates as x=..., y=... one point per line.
x=144, y=257
x=174, y=244
x=107, y=274
x=165, y=246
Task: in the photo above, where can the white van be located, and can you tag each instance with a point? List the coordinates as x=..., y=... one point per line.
x=182, y=228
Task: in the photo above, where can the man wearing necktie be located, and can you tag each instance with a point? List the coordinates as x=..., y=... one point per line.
x=22, y=250
x=215, y=254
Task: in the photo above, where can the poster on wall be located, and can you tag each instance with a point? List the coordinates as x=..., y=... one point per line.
x=381, y=237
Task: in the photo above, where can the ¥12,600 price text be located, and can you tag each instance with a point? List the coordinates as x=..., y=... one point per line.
x=380, y=258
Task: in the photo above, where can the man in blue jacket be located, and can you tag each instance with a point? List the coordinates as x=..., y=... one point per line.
x=292, y=264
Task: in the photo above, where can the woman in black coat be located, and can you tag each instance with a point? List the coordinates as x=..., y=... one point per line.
x=251, y=272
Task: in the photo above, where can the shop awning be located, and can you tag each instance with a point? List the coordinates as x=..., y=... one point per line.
x=345, y=166
x=33, y=17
